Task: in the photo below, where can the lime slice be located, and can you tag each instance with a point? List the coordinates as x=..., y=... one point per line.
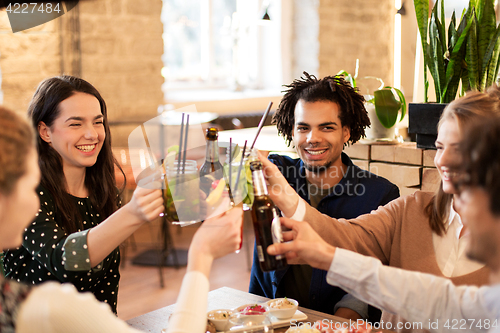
x=174, y=148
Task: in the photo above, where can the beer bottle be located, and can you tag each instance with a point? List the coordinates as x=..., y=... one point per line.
x=266, y=223
x=212, y=168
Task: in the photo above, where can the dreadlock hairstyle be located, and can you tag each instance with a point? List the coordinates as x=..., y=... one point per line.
x=330, y=88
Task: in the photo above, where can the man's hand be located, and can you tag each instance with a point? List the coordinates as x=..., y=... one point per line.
x=304, y=243
x=282, y=194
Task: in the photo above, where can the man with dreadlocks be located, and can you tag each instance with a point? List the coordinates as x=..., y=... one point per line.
x=320, y=117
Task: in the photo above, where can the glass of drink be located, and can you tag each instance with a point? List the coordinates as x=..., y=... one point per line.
x=181, y=195
x=238, y=190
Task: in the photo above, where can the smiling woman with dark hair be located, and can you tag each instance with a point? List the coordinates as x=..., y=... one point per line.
x=77, y=230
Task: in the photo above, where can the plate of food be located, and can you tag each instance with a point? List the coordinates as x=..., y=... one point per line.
x=260, y=311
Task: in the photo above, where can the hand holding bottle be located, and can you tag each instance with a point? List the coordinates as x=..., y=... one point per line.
x=304, y=243
x=282, y=194
x=265, y=220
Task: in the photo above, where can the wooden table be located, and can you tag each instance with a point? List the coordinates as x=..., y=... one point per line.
x=222, y=298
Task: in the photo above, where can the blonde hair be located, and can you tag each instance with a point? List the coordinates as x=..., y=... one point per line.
x=466, y=111
x=16, y=141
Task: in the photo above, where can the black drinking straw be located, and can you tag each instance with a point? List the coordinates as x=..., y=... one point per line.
x=261, y=124
x=230, y=161
x=180, y=146
x=239, y=167
x=185, y=145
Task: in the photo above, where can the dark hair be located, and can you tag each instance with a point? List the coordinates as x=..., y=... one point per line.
x=331, y=88
x=16, y=141
x=466, y=111
x=481, y=151
x=99, y=178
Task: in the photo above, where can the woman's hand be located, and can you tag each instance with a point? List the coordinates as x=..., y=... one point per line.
x=282, y=194
x=304, y=243
x=146, y=203
x=217, y=237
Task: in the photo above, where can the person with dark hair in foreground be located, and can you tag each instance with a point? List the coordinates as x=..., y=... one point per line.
x=320, y=117
x=426, y=301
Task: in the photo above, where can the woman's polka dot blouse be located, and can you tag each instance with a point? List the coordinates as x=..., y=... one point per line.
x=49, y=253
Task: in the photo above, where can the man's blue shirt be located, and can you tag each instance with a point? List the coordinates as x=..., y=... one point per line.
x=358, y=192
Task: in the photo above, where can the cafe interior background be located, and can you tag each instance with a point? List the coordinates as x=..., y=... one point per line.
x=221, y=57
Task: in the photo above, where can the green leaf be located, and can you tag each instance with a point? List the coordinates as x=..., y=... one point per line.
x=348, y=77
x=386, y=107
x=471, y=57
x=441, y=26
x=439, y=30
x=422, y=14
x=436, y=56
x=455, y=66
x=402, y=100
x=452, y=32
x=478, y=6
x=465, y=82
x=486, y=29
x=492, y=58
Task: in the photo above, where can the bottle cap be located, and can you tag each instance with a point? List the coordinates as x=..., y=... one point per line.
x=212, y=133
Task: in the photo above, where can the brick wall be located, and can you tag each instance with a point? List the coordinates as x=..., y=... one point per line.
x=117, y=47
x=305, y=43
x=351, y=29
x=26, y=58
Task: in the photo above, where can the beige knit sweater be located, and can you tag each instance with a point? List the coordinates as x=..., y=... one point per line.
x=398, y=234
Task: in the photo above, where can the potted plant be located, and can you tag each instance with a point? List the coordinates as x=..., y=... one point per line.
x=386, y=107
x=466, y=54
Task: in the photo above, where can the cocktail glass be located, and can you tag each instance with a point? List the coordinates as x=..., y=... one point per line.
x=181, y=195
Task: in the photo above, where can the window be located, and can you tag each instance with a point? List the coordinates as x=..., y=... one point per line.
x=221, y=44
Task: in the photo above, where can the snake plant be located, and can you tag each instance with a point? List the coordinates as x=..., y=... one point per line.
x=468, y=54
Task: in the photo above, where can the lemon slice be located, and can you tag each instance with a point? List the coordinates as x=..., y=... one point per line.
x=168, y=162
x=216, y=194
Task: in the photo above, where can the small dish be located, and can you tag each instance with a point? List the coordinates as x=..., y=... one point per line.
x=252, y=309
x=282, y=308
x=256, y=312
x=220, y=318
